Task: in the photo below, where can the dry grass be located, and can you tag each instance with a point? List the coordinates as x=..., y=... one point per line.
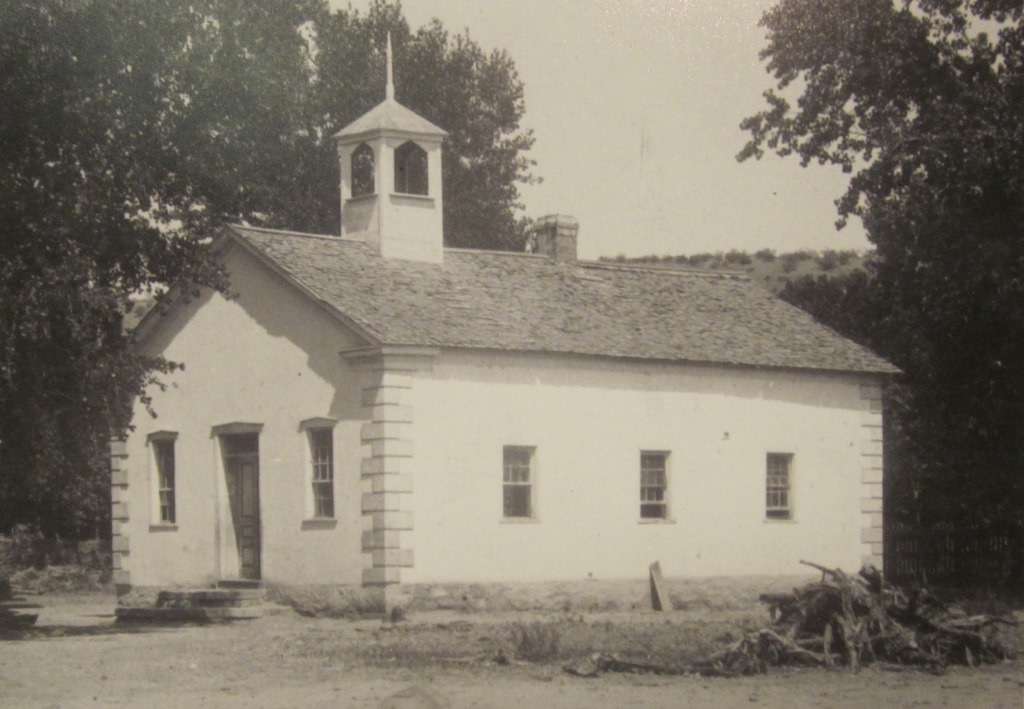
x=441, y=639
x=69, y=578
x=536, y=641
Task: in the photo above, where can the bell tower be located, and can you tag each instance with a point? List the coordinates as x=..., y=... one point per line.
x=391, y=179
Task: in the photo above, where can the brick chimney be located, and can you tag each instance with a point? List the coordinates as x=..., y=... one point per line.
x=556, y=237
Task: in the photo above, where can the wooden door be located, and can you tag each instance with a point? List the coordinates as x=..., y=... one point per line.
x=243, y=473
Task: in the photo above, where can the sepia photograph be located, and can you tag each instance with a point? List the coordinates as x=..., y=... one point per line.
x=432, y=354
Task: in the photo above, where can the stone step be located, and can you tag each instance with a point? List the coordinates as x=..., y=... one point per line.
x=210, y=598
x=174, y=616
x=239, y=583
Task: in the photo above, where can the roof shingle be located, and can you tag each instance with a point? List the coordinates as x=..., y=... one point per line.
x=521, y=302
x=389, y=115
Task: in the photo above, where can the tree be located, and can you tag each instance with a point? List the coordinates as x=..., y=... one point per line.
x=920, y=102
x=476, y=97
x=129, y=132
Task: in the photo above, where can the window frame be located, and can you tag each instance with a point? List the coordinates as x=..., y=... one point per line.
x=321, y=469
x=363, y=171
x=406, y=179
x=508, y=484
x=309, y=428
x=162, y=449
x=782, y=509
x=665, y=487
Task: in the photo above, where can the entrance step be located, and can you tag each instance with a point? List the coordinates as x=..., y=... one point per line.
x=171, y=615
x=210, y=598
x=239, y=583
x=199, y=605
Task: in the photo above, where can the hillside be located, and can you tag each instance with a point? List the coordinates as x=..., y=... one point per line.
x=765, y=266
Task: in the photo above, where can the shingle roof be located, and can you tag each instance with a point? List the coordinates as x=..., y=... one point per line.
x=390, y=115
x=520, y=302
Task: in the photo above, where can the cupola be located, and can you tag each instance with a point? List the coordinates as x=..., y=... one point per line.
x=391, y=179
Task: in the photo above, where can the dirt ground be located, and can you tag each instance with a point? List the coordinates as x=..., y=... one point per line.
x=77, y=657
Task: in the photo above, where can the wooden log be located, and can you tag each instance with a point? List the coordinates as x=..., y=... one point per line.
x=660, y=600
x=826, y=645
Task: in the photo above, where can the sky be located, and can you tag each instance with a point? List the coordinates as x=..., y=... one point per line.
x=635, y=106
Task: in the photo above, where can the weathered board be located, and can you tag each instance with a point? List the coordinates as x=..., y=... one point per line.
x=659, y=594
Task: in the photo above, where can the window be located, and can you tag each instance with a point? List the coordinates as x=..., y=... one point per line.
x=517, y=475
x=362, y=171
x=653, y=485
x=163, y=457
x=410, y=169
x=321, y=450
x=779, y=478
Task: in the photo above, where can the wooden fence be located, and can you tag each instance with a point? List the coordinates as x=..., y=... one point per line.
x=955, y=556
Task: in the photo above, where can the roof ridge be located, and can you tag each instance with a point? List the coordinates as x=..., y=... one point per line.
x=303, y=234
x=609, y=266
x=492, y=252
x=615, y=266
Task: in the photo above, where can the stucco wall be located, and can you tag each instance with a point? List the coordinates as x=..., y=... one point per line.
x=266, y=357
x=418, y=458
x=589, y=420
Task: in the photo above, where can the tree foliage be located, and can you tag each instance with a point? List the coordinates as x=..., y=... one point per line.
x=475, y=96
x=130, y=131
x=920, y=102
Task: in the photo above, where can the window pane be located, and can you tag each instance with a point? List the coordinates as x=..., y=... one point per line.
x=323, y=500
x=649, y=511
x=411, y=169
x=163, y=453
x=362, y=171
x=517, y=464
x=653, y=485
x=517, y=475
x=321, y=444
x=517, y=501
x=777, y=483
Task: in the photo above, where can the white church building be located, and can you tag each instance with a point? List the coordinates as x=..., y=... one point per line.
x=379, y=413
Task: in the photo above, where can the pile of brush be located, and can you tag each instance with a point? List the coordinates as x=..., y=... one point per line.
x=845, y=620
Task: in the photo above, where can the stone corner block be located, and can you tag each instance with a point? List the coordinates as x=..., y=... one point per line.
x=382, y=466
x=383, y=431
x=871, y=535
x=871, y=476
x=119, y=510
x=872, y=559
x=381, y=396
x=388, y=558
x=379, y=501
x=392, y=483
x=392, y=520
x=870, y=504
x=381, y=576
x=871, y=448
x=374, y=539
x=391, y=447
x=391, y=414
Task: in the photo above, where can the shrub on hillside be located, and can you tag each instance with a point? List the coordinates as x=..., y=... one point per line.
x=737, y=258
x=791, y=259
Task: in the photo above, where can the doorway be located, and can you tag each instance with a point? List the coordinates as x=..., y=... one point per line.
x=242, y=469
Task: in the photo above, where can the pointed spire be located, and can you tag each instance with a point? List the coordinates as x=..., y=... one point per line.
x=389, y=88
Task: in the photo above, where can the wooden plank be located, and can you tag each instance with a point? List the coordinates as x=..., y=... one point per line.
x=659, y=594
